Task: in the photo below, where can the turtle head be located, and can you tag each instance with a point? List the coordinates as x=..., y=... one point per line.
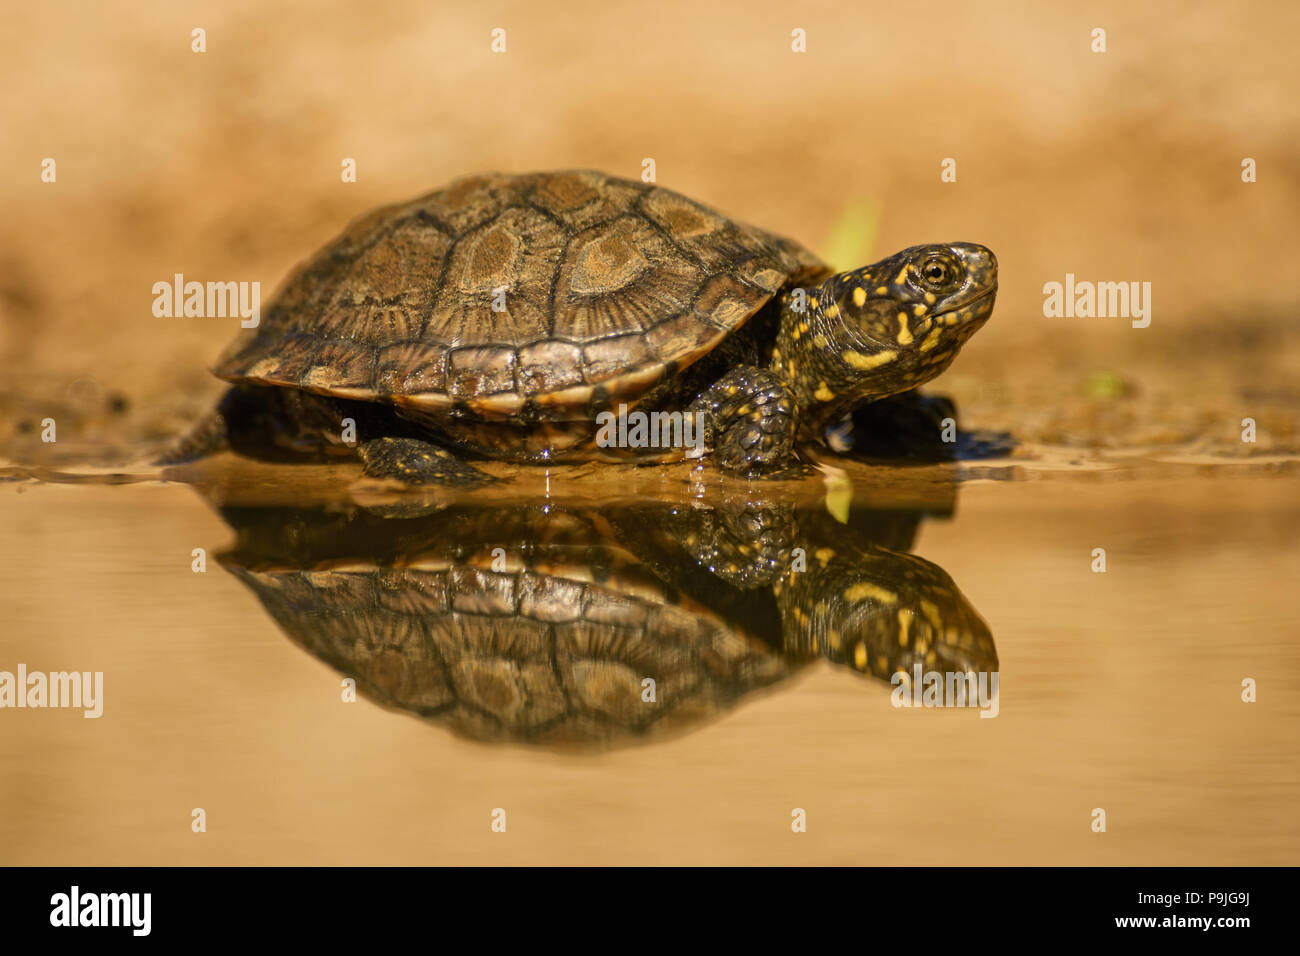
x=881, y=612
x=887, y=327
x=923, y=300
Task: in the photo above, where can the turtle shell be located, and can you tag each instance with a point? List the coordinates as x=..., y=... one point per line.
x=551, y=648
x=553, y=291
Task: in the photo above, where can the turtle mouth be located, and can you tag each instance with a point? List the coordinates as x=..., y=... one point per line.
x=967, y=312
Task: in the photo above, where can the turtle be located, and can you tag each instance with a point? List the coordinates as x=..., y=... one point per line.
x=541, y=624
x=528, y=317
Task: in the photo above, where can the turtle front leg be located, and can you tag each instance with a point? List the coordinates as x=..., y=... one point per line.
x=750, y=420
x=415, y=462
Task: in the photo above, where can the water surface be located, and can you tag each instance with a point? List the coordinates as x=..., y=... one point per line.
x=1119, y=690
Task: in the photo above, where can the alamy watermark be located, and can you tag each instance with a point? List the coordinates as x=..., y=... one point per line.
x=638, y=429
x=76, y=908
x=946, y=689
x=211, y=300
x=60, y=689
x=1103, y=300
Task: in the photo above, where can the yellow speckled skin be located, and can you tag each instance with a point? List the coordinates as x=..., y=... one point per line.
x=883, y=329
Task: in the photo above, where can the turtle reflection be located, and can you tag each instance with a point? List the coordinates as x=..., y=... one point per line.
x=602, y=626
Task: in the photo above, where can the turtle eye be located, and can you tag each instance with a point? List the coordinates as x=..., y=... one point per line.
x=938, y=273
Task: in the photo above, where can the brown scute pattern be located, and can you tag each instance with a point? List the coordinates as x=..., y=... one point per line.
x=725, y=302
x=413, y=592
x=481, y=371
x=606, y=279
x=689, y=223
x=481, y=592
x=549, y=366
x=315, y=280
x=569, y=196
x=472, y=201
x=516, y=251
x=680, y=335
x=580, y=200
x=491, y=260
x=388, y=290
x=500, y=668
x=767, y=279
x=604, y=359
x=295, y=359
x=619, y=610
x=607, y=263
x=288, y=320
x=621, y=277
x=528, y=655
x=563, y=193
x=336, y=365
x=409, y=368
x=553, y=599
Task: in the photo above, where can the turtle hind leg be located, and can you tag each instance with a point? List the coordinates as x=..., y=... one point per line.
x=267, y=424
x=751, y=423
x=206, y=438
x=415, y=462
x=209, y=437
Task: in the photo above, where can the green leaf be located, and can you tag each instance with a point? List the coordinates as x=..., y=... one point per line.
x=1102, y=383
x=852, y=238
x=839, y=494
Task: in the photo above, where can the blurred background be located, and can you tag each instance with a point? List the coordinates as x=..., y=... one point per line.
x=1115, y=166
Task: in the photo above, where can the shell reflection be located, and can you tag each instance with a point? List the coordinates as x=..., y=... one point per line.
x=600, y=627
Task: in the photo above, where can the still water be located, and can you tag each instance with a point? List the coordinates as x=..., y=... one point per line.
x=654, y=672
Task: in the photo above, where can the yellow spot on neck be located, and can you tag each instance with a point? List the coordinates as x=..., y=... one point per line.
x=860, y=656
x=882, y=289
x=930, y=611
x=832, y=311
x=864, y=362
x=823, y=394
x=904, y=625
x=864, y=590
x=819, y=340
x=904, y=333
x=859, y=297
x=920, y=308
x=931, y=340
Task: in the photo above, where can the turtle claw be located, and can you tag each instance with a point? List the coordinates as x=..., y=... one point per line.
x=414, y=462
